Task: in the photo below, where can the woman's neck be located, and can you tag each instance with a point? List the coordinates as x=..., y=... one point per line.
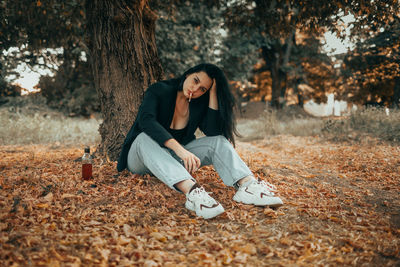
x=182, y=103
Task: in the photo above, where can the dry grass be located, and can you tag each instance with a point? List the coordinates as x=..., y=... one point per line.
x=283, y=122
x=366, y=122
x=46, y=127
x=372, y=122
x=288, y=121
x=29, y=121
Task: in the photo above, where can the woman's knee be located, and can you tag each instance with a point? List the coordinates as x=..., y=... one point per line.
x=143, y=141
x=218, y=142
x=143, y=138
x=220, y=139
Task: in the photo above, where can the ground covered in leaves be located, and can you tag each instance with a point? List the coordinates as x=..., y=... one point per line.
x=342, y=207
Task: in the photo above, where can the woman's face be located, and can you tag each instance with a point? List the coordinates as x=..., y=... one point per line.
x=196, y=84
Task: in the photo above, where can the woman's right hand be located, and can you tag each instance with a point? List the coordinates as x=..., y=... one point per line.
x=191, y=161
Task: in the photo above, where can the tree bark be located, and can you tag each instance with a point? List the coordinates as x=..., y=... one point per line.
x=297, y=91
x=124, y=62
x=276, y=86
x=396, y=93
x=277, y=59
x=271, y=58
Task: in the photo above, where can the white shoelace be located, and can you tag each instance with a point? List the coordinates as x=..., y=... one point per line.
x=270, y=187
x=264, y=186
x=200, y=193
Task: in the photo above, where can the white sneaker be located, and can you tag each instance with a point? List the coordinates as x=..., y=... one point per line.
x=259, y=193
x=199, y=200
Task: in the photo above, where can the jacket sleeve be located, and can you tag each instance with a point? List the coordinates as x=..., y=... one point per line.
x=211, y=124
x=147, y=118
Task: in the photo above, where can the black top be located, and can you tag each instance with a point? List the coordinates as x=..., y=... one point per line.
x=178, y=134
x=156, y=113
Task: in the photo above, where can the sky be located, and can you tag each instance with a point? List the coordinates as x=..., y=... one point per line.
x=27, y=80
x=332, y=42
x=336, y=45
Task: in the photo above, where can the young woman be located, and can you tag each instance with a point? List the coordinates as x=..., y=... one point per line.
x=162, y=140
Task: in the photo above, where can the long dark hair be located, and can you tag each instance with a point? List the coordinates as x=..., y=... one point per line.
x=226, y=101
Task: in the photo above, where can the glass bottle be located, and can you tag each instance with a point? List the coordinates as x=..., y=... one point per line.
x=87, y=163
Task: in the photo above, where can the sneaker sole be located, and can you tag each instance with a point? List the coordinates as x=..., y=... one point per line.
x=218, y=210
x=273, y=205
x=262, y=205
x=189, y=207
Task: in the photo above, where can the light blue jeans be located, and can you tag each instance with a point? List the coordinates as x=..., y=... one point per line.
x=147, y=157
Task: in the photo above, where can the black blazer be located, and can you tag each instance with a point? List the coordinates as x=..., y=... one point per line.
x=157, y=110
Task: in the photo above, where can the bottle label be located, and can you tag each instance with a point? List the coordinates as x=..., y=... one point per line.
x=87, y=171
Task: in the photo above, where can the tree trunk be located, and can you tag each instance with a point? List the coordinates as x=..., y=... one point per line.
x=298, y=92
x=276, y=85
x=277, y=59
x=124, y=62
x=278, y=77
x=272, y=57
x=283, y=71
x=396, y=93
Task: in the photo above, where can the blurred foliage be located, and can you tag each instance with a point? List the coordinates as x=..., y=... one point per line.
x=71, y=90
x=308, y=74
x=273, y=26
x=6, y=89
x=313, y=68
x=276, y=23
x=278, y=18
x=239, y=54
x=187, y=33
x=34, y=27
x=7, y=69
x=49, y=34
x=41, y=23
x=371, y=72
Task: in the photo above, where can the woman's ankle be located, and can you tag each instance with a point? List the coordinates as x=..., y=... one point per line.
x=185, y=186
x=245, y=181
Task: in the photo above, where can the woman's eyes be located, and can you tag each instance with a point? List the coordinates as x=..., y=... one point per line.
x=197, y=81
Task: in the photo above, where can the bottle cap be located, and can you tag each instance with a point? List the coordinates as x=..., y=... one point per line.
x=87, y=150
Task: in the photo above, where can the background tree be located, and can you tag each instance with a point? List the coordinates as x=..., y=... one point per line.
x=6, y=88
x=276, y=23
x=309, y=74
x=312, y=67
x=124, y=62
x=371, y=72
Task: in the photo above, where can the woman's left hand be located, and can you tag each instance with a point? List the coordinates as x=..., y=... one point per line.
x=213, y=103
x=213, y=89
